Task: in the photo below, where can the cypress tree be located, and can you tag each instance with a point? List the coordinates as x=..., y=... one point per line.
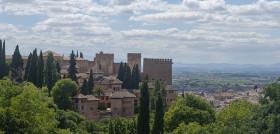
x=121, y=73
x=1, y=61
x=164, y=95
x=72, y=68
x=27, y=67
x=84, y=89
x=137, y=76
x=5, y=66
x=77, y=54
x=127, y=77
x=154, y=94
x=133, y=78
x=32, y=74
x=90, y=82
x=40, y=70
x=58, y=68
x=51, y=75
x=64, y=76
x=17, y=66
x=81, y=55
x=144, y=115
x=159, y=115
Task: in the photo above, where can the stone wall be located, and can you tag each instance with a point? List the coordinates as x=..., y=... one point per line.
x=105, y=61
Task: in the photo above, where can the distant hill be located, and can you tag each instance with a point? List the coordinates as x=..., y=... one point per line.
x=225, y=67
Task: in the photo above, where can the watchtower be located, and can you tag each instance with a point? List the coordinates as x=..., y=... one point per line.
x=158, y=69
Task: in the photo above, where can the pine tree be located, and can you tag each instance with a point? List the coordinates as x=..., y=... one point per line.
x=32, y=74
x=40, y=70
x=72, y=68
x=144, y=117
x=159, y=115
x=121, y=72
x=84, y=89
x=51, y=75
x=81, y=55
x=17, y=66
x=58, y=68
x=26, y=71
x=90, y=82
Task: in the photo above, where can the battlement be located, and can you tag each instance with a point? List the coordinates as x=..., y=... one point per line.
x=157, y=60
x=139, y=54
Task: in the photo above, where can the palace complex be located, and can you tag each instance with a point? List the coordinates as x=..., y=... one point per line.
x=115, y=101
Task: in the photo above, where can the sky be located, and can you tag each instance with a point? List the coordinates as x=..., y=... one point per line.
x=187, y=31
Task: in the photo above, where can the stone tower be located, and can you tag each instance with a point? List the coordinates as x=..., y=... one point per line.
x=134, y=59
x=104, y=62
x=158, y=68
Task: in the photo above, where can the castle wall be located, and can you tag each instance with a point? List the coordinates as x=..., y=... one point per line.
x=116, y=68
x=134, y=59
x=158, y=68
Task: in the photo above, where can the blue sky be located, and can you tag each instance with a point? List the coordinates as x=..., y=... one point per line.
x=188, y=31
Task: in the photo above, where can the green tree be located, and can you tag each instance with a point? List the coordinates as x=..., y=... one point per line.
x=268, y=116
x=190, y=109
x=40, y=75
x=72, y=68
x=2, y=60
x=17, y=66
x=84, y=88
x=144, y=114
x=154, y=94
x=90, y=82
x=29, y=111
x=121, y=72
x=127, y=77
x=69, y=120
x=81, y=55
x=58, y=68
x=62, y=93
x=51, y=75
x=238, y=115
x=137, y=76
x=32, y=74
x=27, y=67
x=98, y=90
x=158, y=127
x=133, y=78
x=122, y=126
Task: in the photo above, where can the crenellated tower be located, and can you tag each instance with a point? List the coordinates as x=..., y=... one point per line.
x=158, y=68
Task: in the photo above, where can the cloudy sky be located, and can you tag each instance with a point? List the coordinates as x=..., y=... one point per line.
x=188, y=31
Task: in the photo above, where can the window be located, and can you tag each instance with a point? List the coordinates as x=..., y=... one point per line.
x=76, y=107
x=82, y=107
x=102, y=98
x=91, y=108
x=77, y=101
x=107, y=97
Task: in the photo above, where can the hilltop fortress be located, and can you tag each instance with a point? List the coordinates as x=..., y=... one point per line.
x=115, y=101
x=154, y=68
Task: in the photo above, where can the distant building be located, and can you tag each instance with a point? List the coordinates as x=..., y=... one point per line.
x=86, y=105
